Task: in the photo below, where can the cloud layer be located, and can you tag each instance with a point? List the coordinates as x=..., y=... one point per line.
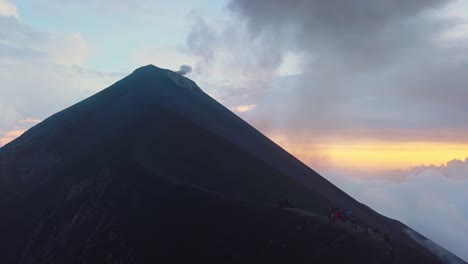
x=388, y=70
x=429, y=202
x=454, y=169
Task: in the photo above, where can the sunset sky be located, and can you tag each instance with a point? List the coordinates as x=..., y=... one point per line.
x=376, y=88
x=370, y=93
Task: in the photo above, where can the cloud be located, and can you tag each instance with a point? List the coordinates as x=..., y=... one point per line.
x=446, y=256
x=454, y=169
x=364, y=34
x=30, y=121
x=59, y=49
x=229, y=65
x=379, y=69
x=22, y=42
x=184, y=69
x=10, y=135
x=44, y=89
x=201, y=39
x=244, y=108
x=429, y=203
x=8, y=9
x=106, y=6
x=50, y=66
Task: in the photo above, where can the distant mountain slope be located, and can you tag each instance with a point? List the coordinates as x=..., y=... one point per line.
x=149, y=155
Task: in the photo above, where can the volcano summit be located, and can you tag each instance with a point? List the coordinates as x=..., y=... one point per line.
x=152, y=169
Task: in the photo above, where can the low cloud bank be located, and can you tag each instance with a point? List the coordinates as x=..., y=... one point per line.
x=428, y=202
x=454, y=169
x=443, y=254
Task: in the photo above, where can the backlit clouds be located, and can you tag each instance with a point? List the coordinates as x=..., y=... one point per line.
x=229, y=64
x=30, y=121
x=373, y=158
x=358, y=35
x=244, y=108
x=6, y=136
x=455, y=169
x=8, y=9
x=369, y=69
x=10, y=135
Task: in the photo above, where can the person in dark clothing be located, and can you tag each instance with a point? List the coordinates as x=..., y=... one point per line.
x=368, y=230
x=386, y=239
x=281, y=203
x=287, y=203
x=342, y=215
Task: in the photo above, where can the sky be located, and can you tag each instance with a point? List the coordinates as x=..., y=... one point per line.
x=370, y=93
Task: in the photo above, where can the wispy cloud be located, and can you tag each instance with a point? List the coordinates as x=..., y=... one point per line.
x=30, y=121
x=244, y=108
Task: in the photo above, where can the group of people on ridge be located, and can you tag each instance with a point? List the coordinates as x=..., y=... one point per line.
x=345, y=216
x=340, y=214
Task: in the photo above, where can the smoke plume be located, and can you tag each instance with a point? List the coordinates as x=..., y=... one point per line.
x=184, y=69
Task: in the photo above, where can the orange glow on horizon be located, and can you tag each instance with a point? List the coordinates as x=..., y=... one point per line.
x=21, y=126
x=362, y=155
x=395, y=155
x=374, y=155
x=9, y=136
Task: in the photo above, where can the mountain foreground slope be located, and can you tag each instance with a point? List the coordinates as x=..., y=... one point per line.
x=153, y=169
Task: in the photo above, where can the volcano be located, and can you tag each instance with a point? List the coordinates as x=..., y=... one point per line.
x=152, y=169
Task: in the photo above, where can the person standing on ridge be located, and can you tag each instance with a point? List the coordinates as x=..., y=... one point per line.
x=336, y=215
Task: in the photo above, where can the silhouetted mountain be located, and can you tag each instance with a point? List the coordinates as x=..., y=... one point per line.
x=153, y=169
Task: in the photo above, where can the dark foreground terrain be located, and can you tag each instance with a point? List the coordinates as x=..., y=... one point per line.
x=152, y=170
x=105, y=218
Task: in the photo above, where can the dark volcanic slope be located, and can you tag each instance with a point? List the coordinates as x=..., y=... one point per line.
x=152, y=168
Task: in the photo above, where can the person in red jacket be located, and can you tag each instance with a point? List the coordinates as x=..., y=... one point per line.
x=336, y=215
